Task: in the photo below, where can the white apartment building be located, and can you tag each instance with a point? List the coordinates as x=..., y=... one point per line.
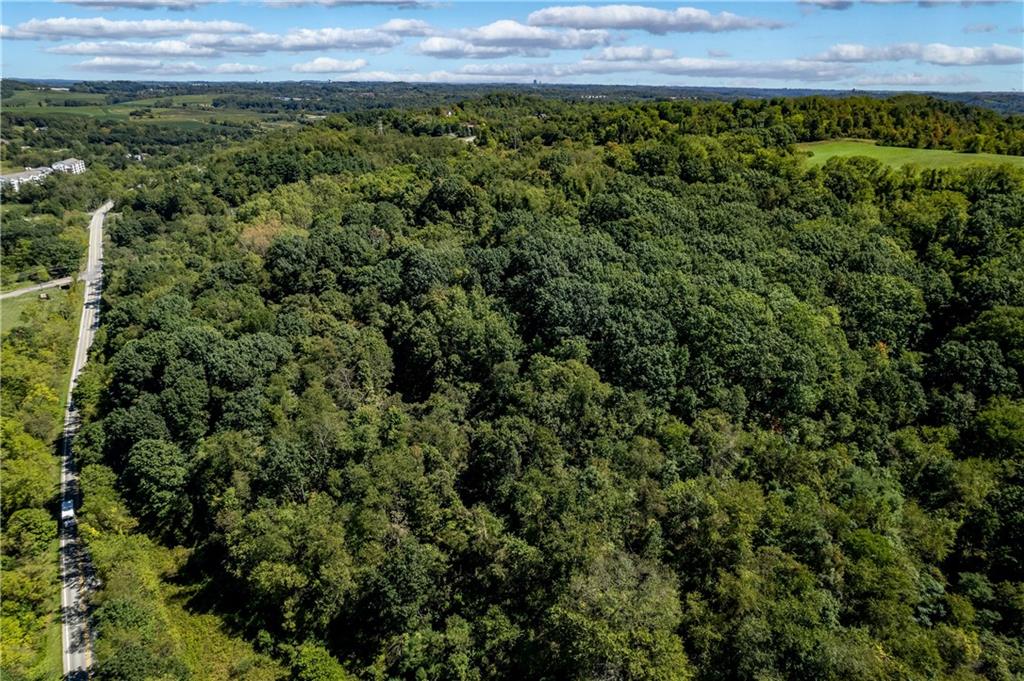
x=74, y=166
x=15, y=180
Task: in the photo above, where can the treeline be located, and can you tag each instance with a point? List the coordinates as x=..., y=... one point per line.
x=40, y=248
x=45, y=227
x=909, y=121
x=642, y=405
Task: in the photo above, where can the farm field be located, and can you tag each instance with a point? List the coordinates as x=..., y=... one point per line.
x=41, y=98
x=183, y=109
x=122, y=112
x=820, y=152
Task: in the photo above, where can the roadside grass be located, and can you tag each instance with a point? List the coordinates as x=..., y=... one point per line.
x=135, y=568
x=76, y=294
x=52, y=661
x=41, y=647
x=12, y=310
x=820, y=152
x=39, y=650
x=208, y=649
x=15, y=312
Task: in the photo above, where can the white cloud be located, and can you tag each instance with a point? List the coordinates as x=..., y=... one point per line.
x=99, y=27
x=412, y=77
x=524, y=73
x=341, y=3
x=235, y=67
x=979, y=28
x=719, y=54
x=139, y=4
x=915, y=80
x=9, y=33
x=454, y=48
x=795, y=70
x=937, y=3
x=252, y=43
x=932, y=53
x=407, y=27
x=512, y=33
x=847, y=4
x=631, y=53
x=962, y=3
x=299, y=40
x=396, y=77
x=156, y=67
x=650, y=19
x=829, y=4
x=786, y=69
x=338, y=38
x=159, y=48
x=506, y=38
x=328, y=65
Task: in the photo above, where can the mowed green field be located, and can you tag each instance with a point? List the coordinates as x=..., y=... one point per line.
x=12, y=309
x=820, y=152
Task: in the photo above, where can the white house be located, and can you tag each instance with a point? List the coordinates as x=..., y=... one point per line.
x=74, y=166
x=15, y=180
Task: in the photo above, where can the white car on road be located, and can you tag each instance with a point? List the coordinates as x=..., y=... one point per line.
x=67, y=512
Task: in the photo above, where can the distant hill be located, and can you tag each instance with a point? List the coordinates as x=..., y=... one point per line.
x=407, y=93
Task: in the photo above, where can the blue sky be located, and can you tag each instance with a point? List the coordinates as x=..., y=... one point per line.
x=836, y=44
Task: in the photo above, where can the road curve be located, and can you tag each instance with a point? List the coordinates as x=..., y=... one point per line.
x=77, y=578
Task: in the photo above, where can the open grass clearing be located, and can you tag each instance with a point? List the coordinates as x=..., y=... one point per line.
x=820, y=152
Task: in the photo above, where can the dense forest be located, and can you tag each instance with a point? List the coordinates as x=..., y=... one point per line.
x=910, y=121
x=34, y=139
x=622, y=401
x=514, y=388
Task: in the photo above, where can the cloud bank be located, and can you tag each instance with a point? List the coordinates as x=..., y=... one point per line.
x=59, y=28
x=649, y=19
x=328, y=65
x=938, y=54
x=156, y=67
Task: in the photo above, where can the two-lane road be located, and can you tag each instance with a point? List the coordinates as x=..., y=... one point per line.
x=75, y=570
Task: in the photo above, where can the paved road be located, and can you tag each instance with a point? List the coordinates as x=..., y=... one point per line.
x=76, y=572
x=53, y=283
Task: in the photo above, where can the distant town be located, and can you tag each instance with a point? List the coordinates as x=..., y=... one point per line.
x=73, y=166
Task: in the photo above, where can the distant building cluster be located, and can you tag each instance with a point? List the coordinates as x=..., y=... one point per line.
x=74, y=166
